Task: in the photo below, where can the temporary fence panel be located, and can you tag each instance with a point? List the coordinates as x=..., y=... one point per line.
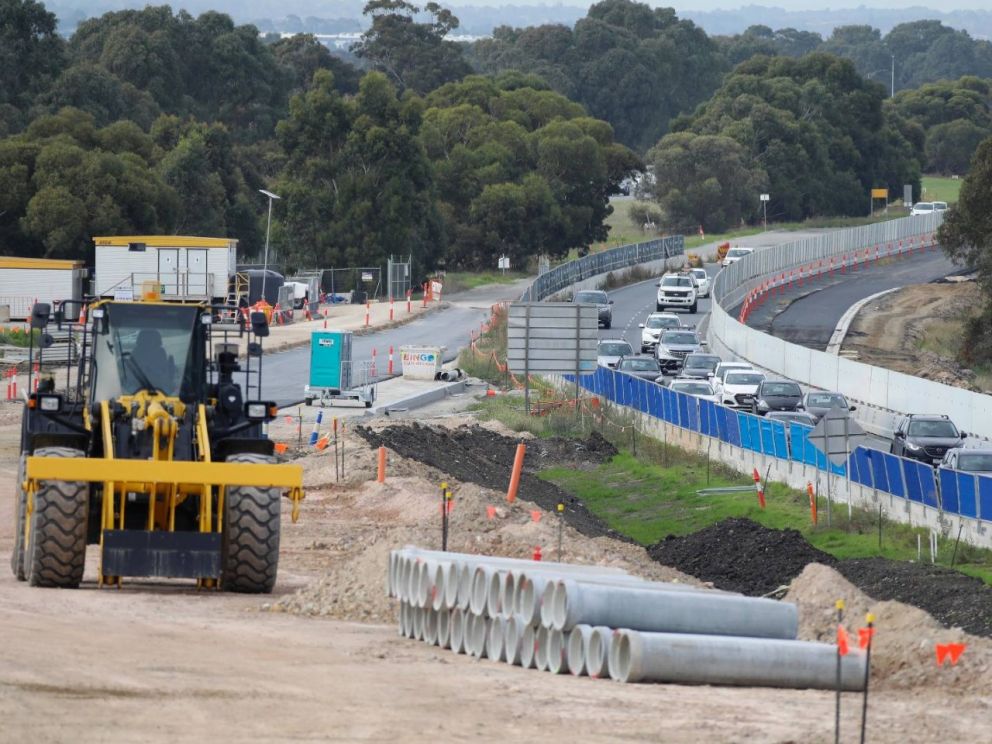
x=893, y=470
x=984, y=510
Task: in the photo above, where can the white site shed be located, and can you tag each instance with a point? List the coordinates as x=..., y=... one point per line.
x=24, y=281
x=182, y=267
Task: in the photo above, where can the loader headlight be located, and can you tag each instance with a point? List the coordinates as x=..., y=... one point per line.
x=261, y=410
x=50, y=403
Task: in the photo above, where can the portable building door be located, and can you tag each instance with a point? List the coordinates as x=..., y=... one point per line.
x=197, y=273
x=168, y=271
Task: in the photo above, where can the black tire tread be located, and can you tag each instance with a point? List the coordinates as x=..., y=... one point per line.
x=251, y=533
x=56, y=555
x=20, y=512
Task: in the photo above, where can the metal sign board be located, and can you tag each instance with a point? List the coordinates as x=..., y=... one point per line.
x=837, y=435
x=764, y=197
x=879, y=193
x=503, y=262
x=552, y=337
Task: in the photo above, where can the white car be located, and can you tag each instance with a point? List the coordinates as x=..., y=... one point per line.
x=698, y=388
x=702, y=282
x=739, y=388
x=654, y=326
x=724, y=367
x=677, y=290
x=923, y=208
x=610, y=351
x=939, y=206
x=736, y=254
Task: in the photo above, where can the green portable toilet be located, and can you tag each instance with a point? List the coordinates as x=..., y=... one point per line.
x=330, y=360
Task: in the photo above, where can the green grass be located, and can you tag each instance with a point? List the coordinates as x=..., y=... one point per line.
x=941, y=188
x=459, y=281
x=17, y=337
x=653, y=494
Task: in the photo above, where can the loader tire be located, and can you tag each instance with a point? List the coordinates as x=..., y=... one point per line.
x=20, y=512
x=251, y=533
x=56, y=551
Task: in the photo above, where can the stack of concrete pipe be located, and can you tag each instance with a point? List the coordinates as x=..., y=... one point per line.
x=602, y=622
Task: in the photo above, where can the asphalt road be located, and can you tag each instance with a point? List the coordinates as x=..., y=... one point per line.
x=284, y=374
x=808, y=315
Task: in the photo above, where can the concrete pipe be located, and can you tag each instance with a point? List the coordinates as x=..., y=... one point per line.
x=548, y=603
x=508, y=594
x=430, y=626
x=457, y=631
x=597, y=654
x=444, y=628
x=506, y=563
x=495, y=642
x=557, y=651
x=390, y=571
x=704, y=613
x=442, y=577
x=451, y=585
x=575, y=653
x=418, y=622
x=497, y=590
x=405, y=619
x=532, y=583
x=513, y=627
x=541, y=649
x=528, y=646
x=721, y=660
x=477, y=633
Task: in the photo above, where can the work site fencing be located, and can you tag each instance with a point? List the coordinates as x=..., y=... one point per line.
x=965, y=495
x=567, y=274
x=756, y=276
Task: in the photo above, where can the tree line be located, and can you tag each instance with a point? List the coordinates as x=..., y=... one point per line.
x=158, y=121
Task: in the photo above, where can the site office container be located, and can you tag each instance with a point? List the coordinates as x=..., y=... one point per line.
x=181, y=266
x=26, y=280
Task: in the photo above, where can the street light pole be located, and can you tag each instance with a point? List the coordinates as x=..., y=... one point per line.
x=268, y=229
x=892, y=90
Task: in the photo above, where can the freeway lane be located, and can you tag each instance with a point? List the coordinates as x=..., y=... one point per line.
x=284, y=374
x=808, y=315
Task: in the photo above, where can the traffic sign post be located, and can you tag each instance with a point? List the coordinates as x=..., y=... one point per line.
x=764, y=209
x=836, y=435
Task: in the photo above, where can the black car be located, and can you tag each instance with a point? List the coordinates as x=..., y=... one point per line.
x=645, y=367
x=700, y=366
x=600, y=300
x=777, y=395
x=925, y=437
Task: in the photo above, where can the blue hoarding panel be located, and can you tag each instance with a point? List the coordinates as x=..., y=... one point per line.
x=706, y=417
x=894, y=471
x=949, y=491
x=744, y=429
x=693, y=407
x=654, y=401
x=797, y=440
x=967, y=495
x=683, y=406
x=879, y=473
x=985, y=498
x=780, y=440
x=862, y=468
x=928, y=485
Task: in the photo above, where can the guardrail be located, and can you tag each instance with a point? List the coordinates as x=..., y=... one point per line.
x=913, y=487
x=567, y=274
x=874, y=386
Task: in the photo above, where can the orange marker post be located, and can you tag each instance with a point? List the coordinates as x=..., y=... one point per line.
x=381, y=476
x=812, y=501
x=518, y=466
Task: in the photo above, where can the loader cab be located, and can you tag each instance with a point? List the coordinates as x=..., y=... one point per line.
x=148, y=346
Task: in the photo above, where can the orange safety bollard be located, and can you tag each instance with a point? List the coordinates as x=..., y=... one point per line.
x=518, y=466
x=368, y=311
x=390, y=361
x=409, y=298
x=390, y=309
x=381, y=474
x=812, y=501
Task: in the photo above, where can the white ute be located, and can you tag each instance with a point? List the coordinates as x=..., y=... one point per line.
x=677, y=290
x=736, y=254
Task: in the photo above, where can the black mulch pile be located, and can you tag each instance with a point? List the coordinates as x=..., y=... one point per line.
x=476, y=455
x=740, y=556
x=951, y=597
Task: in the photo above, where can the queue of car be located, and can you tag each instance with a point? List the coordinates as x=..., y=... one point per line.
x=673, y=354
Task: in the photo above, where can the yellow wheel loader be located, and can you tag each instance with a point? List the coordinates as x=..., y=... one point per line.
x=152, y=449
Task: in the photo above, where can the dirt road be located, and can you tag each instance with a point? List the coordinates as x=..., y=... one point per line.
x=164, y=663
x=916, y=330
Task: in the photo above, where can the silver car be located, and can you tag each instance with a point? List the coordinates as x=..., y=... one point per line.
x=611, y=351
x=976, y=461
x=674, y=346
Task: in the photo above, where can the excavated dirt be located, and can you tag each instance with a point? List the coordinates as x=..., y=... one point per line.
x=888, y=332
x=740, y=555
x=904, y=648
x=479, y=455
x=951, y=597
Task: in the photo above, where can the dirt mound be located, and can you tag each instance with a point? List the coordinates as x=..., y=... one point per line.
x=474, y=454
x=740, y=555
x=956, y=600
x=903, y=651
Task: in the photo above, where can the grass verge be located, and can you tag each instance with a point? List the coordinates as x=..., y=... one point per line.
x=649, y=491
x=941, y=188
x=460, y=281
